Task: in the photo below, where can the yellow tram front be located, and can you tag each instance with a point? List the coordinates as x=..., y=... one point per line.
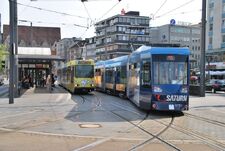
x=82, y=76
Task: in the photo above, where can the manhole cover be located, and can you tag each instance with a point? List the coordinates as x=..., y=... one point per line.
x=90, y=125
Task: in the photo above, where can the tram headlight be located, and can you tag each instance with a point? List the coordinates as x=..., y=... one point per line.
x=157, y=89
x=76, y=85
x=184, y=90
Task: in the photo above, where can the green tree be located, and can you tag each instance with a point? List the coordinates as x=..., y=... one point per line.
x=3, y=54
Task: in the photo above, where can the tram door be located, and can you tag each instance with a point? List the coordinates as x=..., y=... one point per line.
x=134, y=82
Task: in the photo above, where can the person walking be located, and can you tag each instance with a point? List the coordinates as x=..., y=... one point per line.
x=49, y=83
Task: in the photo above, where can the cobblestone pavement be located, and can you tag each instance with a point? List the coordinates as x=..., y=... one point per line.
x=60, y=121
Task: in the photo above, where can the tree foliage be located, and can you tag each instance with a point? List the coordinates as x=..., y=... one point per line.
x=3, y=54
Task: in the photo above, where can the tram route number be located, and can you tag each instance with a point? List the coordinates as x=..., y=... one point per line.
x=181, y=98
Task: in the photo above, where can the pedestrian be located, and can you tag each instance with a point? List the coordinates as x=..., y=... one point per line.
x=49, y=83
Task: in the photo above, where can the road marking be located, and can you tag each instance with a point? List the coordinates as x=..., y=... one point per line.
x=67, y=135
x=93, y=144
x=18, y=114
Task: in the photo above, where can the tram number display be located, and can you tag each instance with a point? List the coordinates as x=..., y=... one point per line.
x=178, y=98
x=84, y=62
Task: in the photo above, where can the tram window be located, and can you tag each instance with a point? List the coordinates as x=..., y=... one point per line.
x=146, y=75
x=135, y=65
x=97, y=72
x=109, y=75
x=72, y=74
x=68, y=74
x=121, y=75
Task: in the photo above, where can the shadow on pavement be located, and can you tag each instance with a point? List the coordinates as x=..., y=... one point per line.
x=89, y=110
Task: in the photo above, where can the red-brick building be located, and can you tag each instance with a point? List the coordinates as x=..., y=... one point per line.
x=33, y=36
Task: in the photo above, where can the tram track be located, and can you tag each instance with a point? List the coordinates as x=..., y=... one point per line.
x=204, y=138
x=153, y=136
x=218, y=123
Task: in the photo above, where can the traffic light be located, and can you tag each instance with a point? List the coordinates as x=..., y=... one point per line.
x=3, y=63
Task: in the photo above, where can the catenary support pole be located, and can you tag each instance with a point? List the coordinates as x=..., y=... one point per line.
x=11, y=52
x=202, y=62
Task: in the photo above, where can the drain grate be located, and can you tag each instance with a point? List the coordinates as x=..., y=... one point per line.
x=90, y=125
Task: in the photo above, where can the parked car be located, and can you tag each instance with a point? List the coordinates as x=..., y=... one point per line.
x=1, y=80
x=215, y=85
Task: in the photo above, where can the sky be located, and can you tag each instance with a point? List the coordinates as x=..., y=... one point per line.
x=87, y=13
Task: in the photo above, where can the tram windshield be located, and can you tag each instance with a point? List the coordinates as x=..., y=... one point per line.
x=84, y=71
x=170, y=72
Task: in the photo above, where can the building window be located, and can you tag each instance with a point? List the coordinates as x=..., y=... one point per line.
x=223, y=38
x=132, y=21
x=210, y=27
x=210, y=13
x=120, y=19
x=210, y=40
x=223, y=23
x=196, y=31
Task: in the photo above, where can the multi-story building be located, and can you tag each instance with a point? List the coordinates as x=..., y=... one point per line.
x=185, y=35
x=63, y=45
x=215, y=31
x=119, y=34
x=89, y=51
x=76, y=50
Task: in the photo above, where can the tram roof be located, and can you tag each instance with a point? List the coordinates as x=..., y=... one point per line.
x=163, y=50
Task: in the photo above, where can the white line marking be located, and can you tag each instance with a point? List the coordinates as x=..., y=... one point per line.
x=93, y=144
x=67, y=135
x=17, y=114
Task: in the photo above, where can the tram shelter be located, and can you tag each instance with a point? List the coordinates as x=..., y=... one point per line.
x=35, y=62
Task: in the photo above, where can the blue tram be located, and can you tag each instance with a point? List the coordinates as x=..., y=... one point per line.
x=154, y=78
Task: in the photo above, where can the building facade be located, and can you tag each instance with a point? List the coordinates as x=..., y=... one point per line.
x=34, y=36
x=90, y=46
x=215, y=31
x=35, y=54
x=118, y=35
x=184, y=35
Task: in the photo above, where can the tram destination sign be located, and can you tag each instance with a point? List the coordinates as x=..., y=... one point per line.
x=181, y=98
x=84, y=62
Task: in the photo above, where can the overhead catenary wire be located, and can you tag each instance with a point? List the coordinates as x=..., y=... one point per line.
x=48, y=10
x=183, y=5
x=41, y=22
x=109, y=10
x=93, y=22
x=160, y=8
x=87, y=12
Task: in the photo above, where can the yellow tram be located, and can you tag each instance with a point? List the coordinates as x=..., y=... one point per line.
x=77, y=76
